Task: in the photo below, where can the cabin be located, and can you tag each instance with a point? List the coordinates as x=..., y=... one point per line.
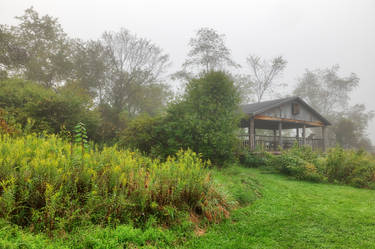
x=265, y=122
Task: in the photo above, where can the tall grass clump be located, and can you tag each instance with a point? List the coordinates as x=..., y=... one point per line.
x=337, y=165
x=47, y=183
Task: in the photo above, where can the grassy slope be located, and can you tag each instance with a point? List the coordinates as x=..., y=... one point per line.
x=295, y=214
x=291, y=214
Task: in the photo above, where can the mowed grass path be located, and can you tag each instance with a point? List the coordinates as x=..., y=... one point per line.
x=296, y=214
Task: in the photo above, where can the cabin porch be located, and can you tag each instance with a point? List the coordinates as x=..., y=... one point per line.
x=271, y=143
x=266, y=133
x=281, y=123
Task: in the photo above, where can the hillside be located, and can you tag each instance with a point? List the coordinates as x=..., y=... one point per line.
x=296, y=214
x=275, y=212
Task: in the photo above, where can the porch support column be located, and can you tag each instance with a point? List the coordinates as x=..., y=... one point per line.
x=324, y=136
x=297, y=136
x=252, y=134
x=304, y=134
x=280, y=135
x=274, y=140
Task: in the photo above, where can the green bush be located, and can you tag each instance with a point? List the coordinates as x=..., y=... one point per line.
x=48, y=110
x=204, y=120
x=254, y=159
x=356, y=168
x=352, y=167
x=46, y=184
x=148, y=135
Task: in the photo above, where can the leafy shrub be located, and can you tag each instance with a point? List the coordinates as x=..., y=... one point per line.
x=45, y=186
x=148, y=135
x=48, y=109
x=254, y=159
x=204, y=120
x=356, y=168
x=352, y=167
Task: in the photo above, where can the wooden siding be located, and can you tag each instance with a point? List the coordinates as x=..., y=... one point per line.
x=285, y=112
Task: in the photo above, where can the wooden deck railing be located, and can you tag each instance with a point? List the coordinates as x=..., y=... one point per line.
x=271, y=143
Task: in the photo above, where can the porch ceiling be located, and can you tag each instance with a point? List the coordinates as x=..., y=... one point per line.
x=274, y=124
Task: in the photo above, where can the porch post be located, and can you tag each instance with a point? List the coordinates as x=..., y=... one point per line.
x=280, y=135
x=324, y=135
x=297, y=136
x=304, y=134
x=252, y=134
x=274, y=140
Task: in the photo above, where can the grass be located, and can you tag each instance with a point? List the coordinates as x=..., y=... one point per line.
x=275, y=212
x=296, y=214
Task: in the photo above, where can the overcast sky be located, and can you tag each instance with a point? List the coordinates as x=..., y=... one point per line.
x=309, y=34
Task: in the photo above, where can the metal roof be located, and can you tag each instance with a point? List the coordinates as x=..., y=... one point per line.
x=260, y=107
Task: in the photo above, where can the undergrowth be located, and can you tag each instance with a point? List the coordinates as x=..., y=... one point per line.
x=50, y=185
x=337, y=165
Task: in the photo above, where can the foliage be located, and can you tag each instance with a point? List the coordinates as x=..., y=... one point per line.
x=350, y=127
x=122, y=236
x=135, y=71
x=148, y=135
x=263, y=74
x=352, y=167
x=45, y=51
x=254, y=159
x=325, y=90
x=204, y=120
x=49, y=110
x=46, y=187
x=208, y=52
x=356, y=168
x=207, y=118
x=299, y=163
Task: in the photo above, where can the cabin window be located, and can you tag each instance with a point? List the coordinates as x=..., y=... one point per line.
x=295, y=108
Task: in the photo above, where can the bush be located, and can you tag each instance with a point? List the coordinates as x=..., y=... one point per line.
x=45, y=186
x=254, y=159
x=356, y=168
x=148, y=135
x=352, y=167
x=204, y=120
x=47, y=109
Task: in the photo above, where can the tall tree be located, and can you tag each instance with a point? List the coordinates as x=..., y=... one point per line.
x=263, y=74
x=13, y=56
x=351, y=125
x=325, y=90
x=91, y=68
x=208, y=52
x=134, y=63
x=329, y=93
x=206, y=119
x=47, y=48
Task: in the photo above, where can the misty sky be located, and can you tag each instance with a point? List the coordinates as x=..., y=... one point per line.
x=309, y=34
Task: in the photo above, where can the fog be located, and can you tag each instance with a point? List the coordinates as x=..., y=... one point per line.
x=309, y=34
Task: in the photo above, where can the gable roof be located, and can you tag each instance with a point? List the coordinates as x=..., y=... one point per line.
x=260, y=107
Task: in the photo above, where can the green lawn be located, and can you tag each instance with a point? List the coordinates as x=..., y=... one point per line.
x=295, y=214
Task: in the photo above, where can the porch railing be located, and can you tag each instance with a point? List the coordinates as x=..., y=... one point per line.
x=271, y=143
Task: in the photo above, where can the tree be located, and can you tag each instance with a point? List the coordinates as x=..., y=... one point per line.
x=135, y=64
x=208, y=52
x=263, y=74
x=49, y=109
x=206, y=119
x=325, y=90
x=351, y=125
x=13, y=56
x=329, y=94
x=47, y=48
x=91, y=68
